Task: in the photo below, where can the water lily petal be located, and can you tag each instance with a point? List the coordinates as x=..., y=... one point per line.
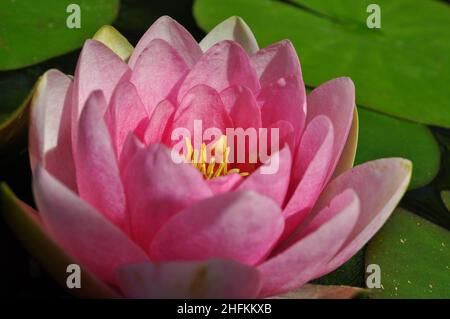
x=201, y=103
x=272, y=178
x=157, y=188
x=131, y=147
x=47, y=107
x=379, y=184
x=242, y=226
x=336, y=100
x=230, y=95
x=98, y=68
x=310, y=170
x=50, y=135
x=156, y=73
x=244, y=110
x=276, y=61
x=225, y=183
x=230, y=65
x=82, y=231
x=113, y=39
x=286, y=135
x=284, y=100
x=167, y=29
x=124, y=113
x=97, y=171
x=313, y=248
x=235, y=29
x=159, y=122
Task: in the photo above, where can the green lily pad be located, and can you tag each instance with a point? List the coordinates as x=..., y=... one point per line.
x=34, y=32
x=385, y=136
x=26, y=225
x=414, y=258
x=401, y=69
x=429, y=201
x=16, y=89
x=445, y=195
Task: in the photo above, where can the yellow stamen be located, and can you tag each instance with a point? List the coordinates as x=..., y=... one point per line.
x=210, y=171
x=219, y=170
x=189, y=148
x=207, y=166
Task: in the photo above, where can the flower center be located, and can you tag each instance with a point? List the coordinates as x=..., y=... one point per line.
x=214, y=164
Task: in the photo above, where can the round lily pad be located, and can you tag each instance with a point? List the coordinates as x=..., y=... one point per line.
x=401, y=69
x=414, y=258
x=384, y=136
x=34, y=31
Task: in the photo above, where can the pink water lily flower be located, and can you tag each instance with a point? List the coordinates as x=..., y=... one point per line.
x=109, y=193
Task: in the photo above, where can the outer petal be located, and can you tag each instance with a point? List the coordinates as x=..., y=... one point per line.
x=235, y=29
x=313, y=249
x=50, y=133
x=98, y=68
x=311, y=169
x=336, y=100
x=276, y=61
x=114, y=40
x=46, y=113
x=60, y=161
x=380, y=185
x=223, y=65
x=284, y=100
x=167, y=29
x=268, y=181
x=124, y=114
x=242, y=226
x=157, y=188
x=97, y=171
x=186, y=280
x=323, y=212
x=81, y=230
x=157, y=72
